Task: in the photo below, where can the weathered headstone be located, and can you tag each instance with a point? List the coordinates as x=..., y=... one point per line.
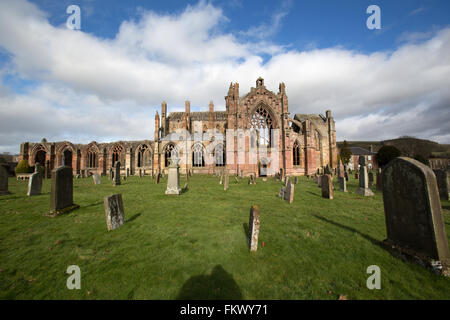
x=319, y=181
x=289, y=194
x=61, y=193
x=35, y=182
x=342, y=184
x=379, y=180
x=226, y=181
x=253, y=228
x=140, y=173
x=296, y=180
x=128, y=172
x=286, y=180
x=414, y=222
x=96, y=178
x=173, y=181
x=111, y=174
x=327, y=186
x=158, y=176
x=356, y=175
x=221, y=178
x=363, y=179
x=252, y=180
x=370, y=180
x=443, y=182
x=346, y=176
x=3, y=180
x=281, y=193
x=236, y=179
x=115, y=215
x=117, y=173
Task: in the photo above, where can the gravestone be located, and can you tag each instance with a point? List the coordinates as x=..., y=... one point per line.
x=370, y=180
x=61, y=193
x=414, y=222
x=117, y=174
x=289, y=194
x=140, y=173
x=3, y=180
x=342, y=184
x=221, y=178
x=225, y=183
x=327, y=169
x=96, y=178
x=281, y=193
x=296, y=180
x=158, y=175
x=77, y=176
x=327, y=186
x=173, y=181
x=286, y=180
x=111, y=174
x=319, y=181
x=236, y=179
x=346, y=176
x=252, y=180
x=356, y=175
x=35, y=182
x=379, y=180
x=443, y=182
x=115, y=215
x=363, y=178
x=127, y=172
x=253, y=228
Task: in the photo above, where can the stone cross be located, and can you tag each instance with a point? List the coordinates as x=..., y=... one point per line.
x=363, y=178
x=3, y=180
x=327, y=186
x=115, y=215
x=173, y=181
x=117, y=173
x=253, y=228
x=414, y=221
x=61, y=193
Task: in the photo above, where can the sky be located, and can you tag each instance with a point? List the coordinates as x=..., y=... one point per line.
x=106, y=81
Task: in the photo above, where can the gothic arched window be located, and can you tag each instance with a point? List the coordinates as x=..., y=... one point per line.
x=143, y=156
x=197, y=156
x=116, y=155
x=171, y=151
x=219, y=155
x=261, y=124
x=296, y=154
x=91, y=159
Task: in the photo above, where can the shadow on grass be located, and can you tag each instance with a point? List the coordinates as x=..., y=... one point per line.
x=93, y=204
x=133, y=217
x=365, y=236
x=245, y=226
x=314, y=194
x=219, y=285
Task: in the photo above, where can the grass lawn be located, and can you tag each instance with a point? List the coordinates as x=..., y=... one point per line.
x=194, y=245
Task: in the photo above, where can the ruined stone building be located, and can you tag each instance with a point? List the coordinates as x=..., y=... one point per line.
x=254, y=135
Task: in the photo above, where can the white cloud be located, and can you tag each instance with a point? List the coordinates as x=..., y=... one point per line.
x=101, y=89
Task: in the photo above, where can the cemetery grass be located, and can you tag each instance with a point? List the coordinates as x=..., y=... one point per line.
x=194, y=246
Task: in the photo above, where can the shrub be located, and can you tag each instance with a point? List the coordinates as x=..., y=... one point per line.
x=386, y=154
x=23, y=167
x=422, y=159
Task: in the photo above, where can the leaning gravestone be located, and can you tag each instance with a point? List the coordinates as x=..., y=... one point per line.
x=173, y=181
x=414, y=222
x=363, y=178
x=327, y=186
x=253, y=228
x=3, y=180
x=61, y=194
x=289, y=194
x=96, y=178
x=443, y=183
x=35, y=182
x=117, y=174
x=115, y=216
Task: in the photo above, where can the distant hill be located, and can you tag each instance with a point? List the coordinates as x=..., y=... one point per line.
x=409, y=146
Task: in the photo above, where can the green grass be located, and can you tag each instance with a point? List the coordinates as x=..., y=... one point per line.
x=194, y=245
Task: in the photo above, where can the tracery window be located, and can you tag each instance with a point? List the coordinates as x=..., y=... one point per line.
x=171, y=151
x=296, y=154
x=197, y=156
x=219, y=155
x=261, y=125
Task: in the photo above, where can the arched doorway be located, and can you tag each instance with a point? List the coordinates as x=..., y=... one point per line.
x=40, y=157
x=67, y=156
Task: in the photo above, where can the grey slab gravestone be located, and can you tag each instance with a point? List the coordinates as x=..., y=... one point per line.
x=327, y=186
x=253, y=228
x=414, y=222
x=115, y=215
x=226, y=181
x=96, y=178
x=61, y=193
x=3, y=180
x=35, y=184
x=342, y=184
x=443, y=182
x=363, y=178
x=281, y=193
x=173, y=181
x=116, y=181
x=289, y=194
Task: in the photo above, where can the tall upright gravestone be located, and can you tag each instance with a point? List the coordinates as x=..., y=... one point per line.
x=363, y=178
x=115, y=216
x=96, y=178
x=35, y=182
x=173, y=181
x=3, y=180
x=117, y=173
x=289, y=193
x=414, y=222
x=226, y=181
x=327, y=186
x=61, y=193
x=379, y=184
x=253, y=228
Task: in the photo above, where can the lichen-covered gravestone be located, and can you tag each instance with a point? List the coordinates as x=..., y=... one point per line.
x=289, y=194
x=35, y=182
x=173, y=181
x=61, y=193
x=414, y=222
x=115, y=215
x=3, y=180
x=327, y=186
x=96, y=178
x=443, y=182
x=253, y=228
x=117, y=173
x=363, y=178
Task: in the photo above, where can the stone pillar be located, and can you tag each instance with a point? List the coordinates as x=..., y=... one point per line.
x=173, y=181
